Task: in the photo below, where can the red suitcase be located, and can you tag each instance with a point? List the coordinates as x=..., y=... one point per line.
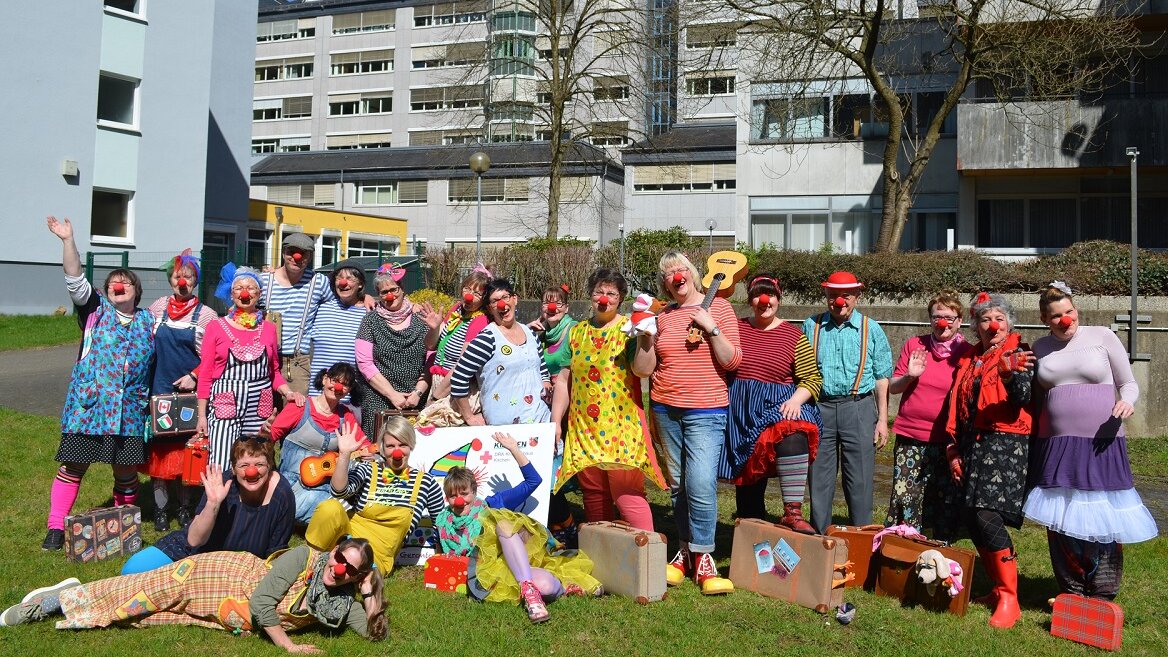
x=446, y=572
x=1091, y=621
x=859, y=540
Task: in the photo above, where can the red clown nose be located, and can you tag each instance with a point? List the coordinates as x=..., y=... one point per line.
x=603, y=301
x=297, y=257
x=251, y=472
x=397, y=454
x=840, y=302
x=339, y=388
x=551, y=308
x=182, y=282
x=500, y=305
x=678, y=278
x=763, y=300
x=1065, y=321
x=342, y=285
x=468, y=298
x=458, y=501
x=245, y=296
x=994, y=327
x=119, y=288
x=339, y=569
x=941, y=323
x=389, y=296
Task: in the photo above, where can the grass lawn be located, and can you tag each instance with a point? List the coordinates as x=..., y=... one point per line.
x=424, y=622
x=28, y=331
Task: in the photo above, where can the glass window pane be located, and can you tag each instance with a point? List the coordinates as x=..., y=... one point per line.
x=808, y=231
x=768, y=229
x=1053, y=223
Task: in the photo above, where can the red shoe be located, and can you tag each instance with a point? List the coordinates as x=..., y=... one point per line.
x=707, y=578
x=533, y=601
x=793, y=518
x=990, y=599
x=1003, y=569
x=677, y=570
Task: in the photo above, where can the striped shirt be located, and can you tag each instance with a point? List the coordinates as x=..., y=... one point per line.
x=689, y=376
x=839, y=353
x=780, y=355
x=292, y=303
x=206, y=316
x=478, y=352
x=392, y=490
x=332, y=336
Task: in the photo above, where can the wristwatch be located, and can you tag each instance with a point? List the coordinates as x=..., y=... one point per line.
x=715, y=331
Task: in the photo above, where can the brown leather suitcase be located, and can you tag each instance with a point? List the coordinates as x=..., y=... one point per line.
x=859, y=540
x=628, y=561
x=817, y=580
x=896, y=574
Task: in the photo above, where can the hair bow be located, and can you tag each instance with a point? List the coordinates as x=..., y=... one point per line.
x=393, y=269
x=564, y=287
x=1061, y=287
x=982, y=297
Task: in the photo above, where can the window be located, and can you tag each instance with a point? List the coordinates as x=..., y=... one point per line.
x=513, y=55
x=329, y=250
x=545, y=54
x=928, y=104
x=261, y=146
x=361, y=104
x=575, y=189
x=450, y=13
x=293, y=68
x=293, y=144
x=310, y=195
x=610, y=133
x=111, y=214
x=711, y=36
x=128, y=6
x=928, y=231
x=368, y=140
x=513, y=21
x=545, y=134
x=371, y=248
x=364, y=21
x=296, y=28
x=511, y=111
x=790, y=118
x=713, y=86
x=1000, y=223
x=257, y=247
x=392, y=193
x=495, y=190
x=116, y=100
x=614, y=88
x=439, y=98
x=684, y=177
x=271, y=109
x=357, y=63
x=455, y=54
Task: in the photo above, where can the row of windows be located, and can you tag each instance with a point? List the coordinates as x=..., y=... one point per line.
x=367, y=21
x=416, y=192
x=683, y=177
x=613, y=133
x=842, y=116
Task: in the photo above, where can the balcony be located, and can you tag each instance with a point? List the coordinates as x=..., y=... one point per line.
x=1061, y=134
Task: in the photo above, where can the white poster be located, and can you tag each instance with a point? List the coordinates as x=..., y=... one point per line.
x=493, y=465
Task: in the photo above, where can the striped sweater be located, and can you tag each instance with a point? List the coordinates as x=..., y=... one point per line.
x=688, y=376
x=392, y=490
x=780, y=355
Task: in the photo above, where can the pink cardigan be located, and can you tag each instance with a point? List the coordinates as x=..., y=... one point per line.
x=217, y=344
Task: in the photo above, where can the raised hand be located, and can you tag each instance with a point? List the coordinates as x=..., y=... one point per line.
x=430, y=317
x=1016, y=361
x=916, y=363
x=62, y=228
x=347, y=440
x=214, y=485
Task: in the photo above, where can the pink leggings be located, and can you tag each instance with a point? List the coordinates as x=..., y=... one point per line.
x=625, y=488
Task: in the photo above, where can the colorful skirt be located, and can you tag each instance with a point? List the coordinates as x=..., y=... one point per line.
x=995, y=473
x=494, y=577
x=165, y=458
x=755, y=426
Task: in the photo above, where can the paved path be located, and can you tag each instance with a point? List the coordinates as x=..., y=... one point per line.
x=35, y=380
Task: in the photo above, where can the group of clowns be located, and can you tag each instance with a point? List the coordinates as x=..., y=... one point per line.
x=989, y=431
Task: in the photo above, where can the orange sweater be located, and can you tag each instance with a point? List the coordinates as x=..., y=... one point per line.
x=995, y=412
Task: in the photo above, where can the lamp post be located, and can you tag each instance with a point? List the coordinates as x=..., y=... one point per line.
x=711, y=225
x=1133, y=153
x=621, y=228
x=480, y=162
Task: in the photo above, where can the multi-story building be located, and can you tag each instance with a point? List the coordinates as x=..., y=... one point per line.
x=137, y=131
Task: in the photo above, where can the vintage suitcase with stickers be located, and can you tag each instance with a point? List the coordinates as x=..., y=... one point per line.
x=102, y=534
x=775, y=561
x=174, y=415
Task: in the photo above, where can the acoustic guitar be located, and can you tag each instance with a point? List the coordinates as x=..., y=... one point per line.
x=724, y=270
x=316, y=470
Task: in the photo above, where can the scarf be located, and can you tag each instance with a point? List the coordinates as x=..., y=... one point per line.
x=990, y=409
x=457, y=533
x=176, y=309
x=328, y=606
x=245, y=319
x=453, y=320
x=553, y=338
x=395, y=317
x=943, y=350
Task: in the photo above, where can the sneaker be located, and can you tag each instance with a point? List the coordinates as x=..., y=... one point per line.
x=677, y=570
x=161, y=520
x=21, y=614
x=577, y=590
x=54, y=540
x=707, y=578
x=533, y=601
x=36, y=595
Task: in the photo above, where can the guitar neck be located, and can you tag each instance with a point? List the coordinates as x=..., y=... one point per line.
x=712, y=292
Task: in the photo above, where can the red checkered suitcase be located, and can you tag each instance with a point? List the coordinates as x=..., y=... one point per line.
x=1091, y=621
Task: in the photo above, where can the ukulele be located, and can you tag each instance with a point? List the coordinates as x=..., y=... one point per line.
x=316, y=470
x=723, y=271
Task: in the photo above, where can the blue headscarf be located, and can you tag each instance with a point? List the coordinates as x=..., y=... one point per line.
x=227, y=277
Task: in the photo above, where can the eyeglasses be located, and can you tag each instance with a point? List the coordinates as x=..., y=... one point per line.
x=948, y=318
x=259, y=465
x=679, y=270
x=390, y=290
x=502, y=298
x=476, y=293
x=612, y=294
x=350, y=569
x=126, y=283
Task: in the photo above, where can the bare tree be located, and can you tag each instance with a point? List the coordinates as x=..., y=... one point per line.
x=1019, y=49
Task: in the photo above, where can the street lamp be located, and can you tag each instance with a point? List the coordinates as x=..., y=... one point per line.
x=621, y=228
x=710, y=226
x=1133, y=153
x=480, y=162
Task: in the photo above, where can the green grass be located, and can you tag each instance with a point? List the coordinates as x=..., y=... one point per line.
x=29, y=331
x=424, y=622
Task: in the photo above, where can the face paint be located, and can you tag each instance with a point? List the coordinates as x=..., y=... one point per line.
x=119, y=288
x=941, y=323
x=763, y=300
x=1065, y=321
x=994, y=327
x=251, y=472
x=468, y=298
x=840, y=302
x=678, y=278
x=501, y=305
x=552, y=308
x=397, y=454
x=458, y=501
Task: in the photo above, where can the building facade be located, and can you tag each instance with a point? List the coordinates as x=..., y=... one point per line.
x=137, y=131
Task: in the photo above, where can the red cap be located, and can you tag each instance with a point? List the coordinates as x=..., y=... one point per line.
x=244, y=296
x=468, y=298
x=119, y=288
x=1065, y=321
x=297, y=256
x=251, y=472
x=678, y=278
x=182, y=281
x=840, y=302
x=994, y=327
x=397, y=454
x=841, y=280
x=500, y=305
x=458, y=501
x=941, y=323
x=763, y=299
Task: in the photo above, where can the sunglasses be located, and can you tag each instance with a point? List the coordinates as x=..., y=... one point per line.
x=350, y=569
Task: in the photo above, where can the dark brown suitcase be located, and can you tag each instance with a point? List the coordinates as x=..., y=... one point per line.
x=896, y=574
x=817, y=581
x=859, y=540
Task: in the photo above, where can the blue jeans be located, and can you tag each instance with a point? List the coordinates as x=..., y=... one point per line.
x=307, y=499
x=693, y=440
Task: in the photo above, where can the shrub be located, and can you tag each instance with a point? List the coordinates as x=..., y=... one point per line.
x=437, y=299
